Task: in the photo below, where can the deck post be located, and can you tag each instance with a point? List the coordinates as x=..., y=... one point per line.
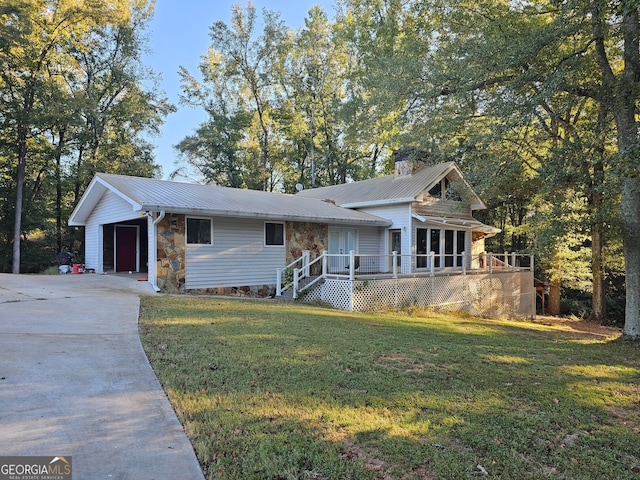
x=506, y=260
x=306, y=256
x=464, y=263
x=531, y=262
x=394, y=265
x=513, y=260
x=352, y=263
x=432, y=256
x=279, y=283
x=296, y=273
x=490, y=261
x=324, y=263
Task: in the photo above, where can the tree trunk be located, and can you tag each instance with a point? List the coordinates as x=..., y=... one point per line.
x=630, y=214
x=598, y=297
x=17, y=226
x=630, y=210
x=622, y=97
x=596, y=202
x=625, y=115
x=59, y=150
x=553, y=306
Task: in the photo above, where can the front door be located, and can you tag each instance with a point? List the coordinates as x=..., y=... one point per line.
x=126, y=248
x=341, y=241
x=395, y=244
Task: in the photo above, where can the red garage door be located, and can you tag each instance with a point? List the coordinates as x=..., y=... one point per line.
x=126, y=248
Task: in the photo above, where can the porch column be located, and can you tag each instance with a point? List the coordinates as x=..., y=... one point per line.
x=279, y=283
x=324, y=263
x=296, y=273
x=432, y=258
x=395, y=264
x=352, y=259
x=306, y=256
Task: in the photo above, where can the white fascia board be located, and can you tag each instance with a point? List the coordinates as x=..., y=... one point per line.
x=378, y=203
x=85, y=203
x=467, y=224
x=90, y=199
x=419, y=217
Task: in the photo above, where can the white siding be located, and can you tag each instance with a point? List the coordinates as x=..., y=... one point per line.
x=369, y=240
x=93, y=246
x=238, y=256
x=400, y=215
x=110, y=209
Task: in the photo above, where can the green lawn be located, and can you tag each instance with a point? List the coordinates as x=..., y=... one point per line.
x=266, y=390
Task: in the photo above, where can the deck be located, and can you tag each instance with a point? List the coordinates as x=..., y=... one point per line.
x=488, y=285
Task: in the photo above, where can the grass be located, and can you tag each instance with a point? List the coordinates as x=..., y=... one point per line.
x=278, y=391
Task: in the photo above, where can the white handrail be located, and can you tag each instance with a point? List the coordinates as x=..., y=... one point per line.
x=354, y=265
x=279, y=289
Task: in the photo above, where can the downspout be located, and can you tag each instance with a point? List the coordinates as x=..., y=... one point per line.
x=154, y=263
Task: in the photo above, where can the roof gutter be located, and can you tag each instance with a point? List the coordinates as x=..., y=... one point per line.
x=374, y=221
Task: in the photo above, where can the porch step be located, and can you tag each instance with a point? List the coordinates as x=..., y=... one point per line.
x=287, y=296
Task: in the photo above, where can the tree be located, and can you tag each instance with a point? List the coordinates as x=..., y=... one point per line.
x=488, y=84
x=248, y=62
x=614, y=26
x=551, y=50
x=215, y=150
x=64, y=62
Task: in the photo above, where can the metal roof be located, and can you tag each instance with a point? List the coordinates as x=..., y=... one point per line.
x=155, y=195
x=390, y=189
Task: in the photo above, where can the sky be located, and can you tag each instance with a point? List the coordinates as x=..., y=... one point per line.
x=179, y=35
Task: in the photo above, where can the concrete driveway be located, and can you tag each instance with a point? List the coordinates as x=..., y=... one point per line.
x=74, y=380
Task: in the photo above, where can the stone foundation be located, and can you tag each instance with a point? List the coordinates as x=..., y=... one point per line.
x=261, y=291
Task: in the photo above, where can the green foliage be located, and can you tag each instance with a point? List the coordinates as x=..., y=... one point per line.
x=281, y=110
x=73, y=103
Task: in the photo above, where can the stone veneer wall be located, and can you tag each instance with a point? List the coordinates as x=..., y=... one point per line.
x=305, y=236
x=171, y=253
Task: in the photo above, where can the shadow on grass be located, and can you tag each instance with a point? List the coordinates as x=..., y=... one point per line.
x=272, y=391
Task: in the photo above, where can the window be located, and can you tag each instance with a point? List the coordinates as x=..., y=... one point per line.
x=452, y=190
x=421, y=247
x=448, y=248
x=460, y=246
x=436, y=190
x=199, y=231
x=435, y=247
x=274, y=233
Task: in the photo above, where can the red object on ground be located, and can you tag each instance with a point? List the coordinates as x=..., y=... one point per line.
x=76, y=268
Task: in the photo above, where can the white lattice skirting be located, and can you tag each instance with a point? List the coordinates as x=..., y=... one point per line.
x=508, y=294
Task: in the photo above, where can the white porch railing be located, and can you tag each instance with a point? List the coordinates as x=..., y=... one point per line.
x=285, y=276
x=353, y=266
